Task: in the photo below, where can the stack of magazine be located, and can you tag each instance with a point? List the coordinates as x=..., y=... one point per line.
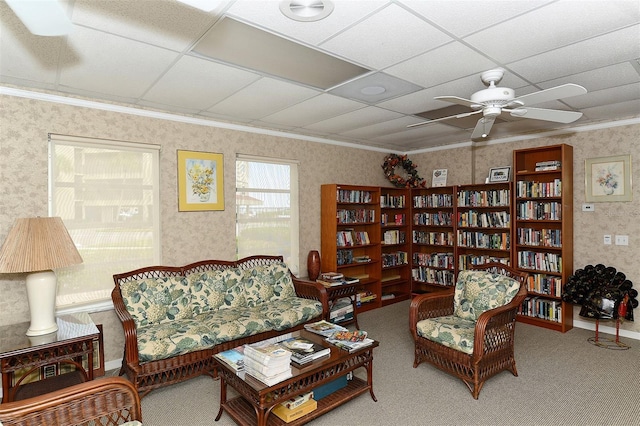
x=303, y=351
x=339, y=336
x=268, y=362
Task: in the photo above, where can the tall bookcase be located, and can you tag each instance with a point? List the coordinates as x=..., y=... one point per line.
x=350, y=237
x=543, y=206
x=433, y=239
x=395, y=245
x=483, y=232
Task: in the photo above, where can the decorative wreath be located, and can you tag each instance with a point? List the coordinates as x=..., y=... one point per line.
x=389, y=166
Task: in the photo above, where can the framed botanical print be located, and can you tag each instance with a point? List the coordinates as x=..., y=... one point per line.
x=608, y=179
x=200, y=181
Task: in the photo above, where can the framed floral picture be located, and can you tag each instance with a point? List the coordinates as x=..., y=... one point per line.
x=608, y=179
x=200, y=181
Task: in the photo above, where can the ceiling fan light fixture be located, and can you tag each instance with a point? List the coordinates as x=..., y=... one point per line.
x=306, y=10
x=42, y=17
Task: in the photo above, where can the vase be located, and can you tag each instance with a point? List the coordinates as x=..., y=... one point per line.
x=313, y=265
x=204, y=197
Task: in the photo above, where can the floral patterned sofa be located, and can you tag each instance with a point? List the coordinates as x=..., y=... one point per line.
x=176, y=318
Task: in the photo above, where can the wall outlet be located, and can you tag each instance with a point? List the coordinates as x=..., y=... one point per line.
x=607, y=240
x=588, y=207
x=622, y=240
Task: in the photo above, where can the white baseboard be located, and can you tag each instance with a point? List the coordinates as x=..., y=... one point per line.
x=113, y=364
x=591, y=325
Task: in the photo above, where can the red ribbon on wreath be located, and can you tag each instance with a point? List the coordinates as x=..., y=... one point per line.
x=413, y=180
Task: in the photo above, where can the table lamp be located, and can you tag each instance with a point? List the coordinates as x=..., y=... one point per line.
x=36, y=246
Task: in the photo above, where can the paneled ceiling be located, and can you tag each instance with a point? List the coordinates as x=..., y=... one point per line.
x=167, y=56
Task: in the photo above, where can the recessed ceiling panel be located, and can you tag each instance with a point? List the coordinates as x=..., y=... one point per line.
x=249, y=47
x=375, y=88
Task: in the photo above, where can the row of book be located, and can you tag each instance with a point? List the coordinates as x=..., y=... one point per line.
x=429, y=275
x=433, y=200
x=353, y=196
x=440, y=238
x=550, y=310
x=544, y=284
x=495, y=241
x=350, y=238
x=433, y=219
x=439, y=260
x=392, y=219
x=394, y=259
x=548, y=262
x=392, y=201
x=466, y=260
x=540, y=237
x=476, y=219
x=356, y=216
x=537, y=210
x=542, y=166
x=394, y=236
x=539, y=189
x=490, y=198
x=344, y=257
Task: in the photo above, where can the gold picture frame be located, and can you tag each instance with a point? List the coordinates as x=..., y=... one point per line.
x=608, y=179
x=200, y=181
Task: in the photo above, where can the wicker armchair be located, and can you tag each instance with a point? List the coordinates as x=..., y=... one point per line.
x=488, y=348
x=104, y=401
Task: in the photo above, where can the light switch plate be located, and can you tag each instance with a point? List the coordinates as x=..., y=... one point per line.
x=607, y=240
x=622, y=240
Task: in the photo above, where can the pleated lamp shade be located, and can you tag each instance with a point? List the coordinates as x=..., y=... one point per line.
x=36, y=246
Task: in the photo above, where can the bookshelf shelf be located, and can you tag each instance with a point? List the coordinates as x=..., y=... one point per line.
x=545, y=214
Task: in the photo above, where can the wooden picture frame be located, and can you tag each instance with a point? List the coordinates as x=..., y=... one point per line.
x=200, y=181
x=608, y=179
x=500, y=174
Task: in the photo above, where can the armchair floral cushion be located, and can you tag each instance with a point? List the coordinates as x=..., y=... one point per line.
x=480, y=291
x=217, y=289
x=451, y=331
x=157, y=300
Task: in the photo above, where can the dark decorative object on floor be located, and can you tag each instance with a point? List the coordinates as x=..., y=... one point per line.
x=603, y=292
x=313, y=264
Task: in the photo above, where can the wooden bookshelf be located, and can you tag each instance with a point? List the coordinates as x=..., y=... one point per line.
x=350, y=238
x=433, y=239
x=543, y=232
x=483, y=224
x=395, y=243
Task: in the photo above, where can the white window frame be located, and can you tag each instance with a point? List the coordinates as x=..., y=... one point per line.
x=100, y=299
x=293, y=191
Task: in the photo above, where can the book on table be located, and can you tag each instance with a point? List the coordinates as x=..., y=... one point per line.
x=297, y=401
x=269, y=380
x=251, y=365
x=267, y=352
x=324, y=328
x=303, y=351
x=350, y=346
x=289, y=415
x=234, y=358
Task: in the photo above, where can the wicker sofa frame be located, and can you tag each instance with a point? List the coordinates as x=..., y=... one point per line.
x=147, y=376
x=493, y=349
x=104, y=401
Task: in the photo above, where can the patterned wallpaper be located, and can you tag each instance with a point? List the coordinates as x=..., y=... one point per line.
x=191, y=236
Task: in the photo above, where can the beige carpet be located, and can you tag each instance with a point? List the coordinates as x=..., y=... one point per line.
x=563, y=380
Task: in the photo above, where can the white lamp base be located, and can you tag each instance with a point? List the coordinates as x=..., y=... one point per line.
x=41, y=293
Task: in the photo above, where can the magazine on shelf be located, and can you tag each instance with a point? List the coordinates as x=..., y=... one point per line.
x=324, y=328
x=234, y=358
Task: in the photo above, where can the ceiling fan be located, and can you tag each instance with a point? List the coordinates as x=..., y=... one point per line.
x=493, y=101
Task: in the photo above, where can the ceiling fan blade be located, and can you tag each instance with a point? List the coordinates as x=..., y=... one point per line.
x=457, y=100
x=42, y=18
x=482, y=129
x=552, y=94
x=435, y=120
x=556, y=115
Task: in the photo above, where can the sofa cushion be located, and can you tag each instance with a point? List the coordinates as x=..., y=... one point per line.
x=157, y=300
x=480, y=291
x=231, y=324
x=282, y=314
x=451, y=331
x=162, y=341
x=216, y=289
x=268, y=282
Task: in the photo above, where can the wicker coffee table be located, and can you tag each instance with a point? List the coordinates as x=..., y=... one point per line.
x=256, y=400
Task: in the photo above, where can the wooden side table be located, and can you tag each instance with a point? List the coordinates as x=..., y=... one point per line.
x=22, y=356
x=338, y=292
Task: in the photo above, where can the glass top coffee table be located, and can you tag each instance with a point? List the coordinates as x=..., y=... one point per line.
x=256, y=400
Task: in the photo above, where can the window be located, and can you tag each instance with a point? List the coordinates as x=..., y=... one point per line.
x=267, y=208
x=106, y=192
